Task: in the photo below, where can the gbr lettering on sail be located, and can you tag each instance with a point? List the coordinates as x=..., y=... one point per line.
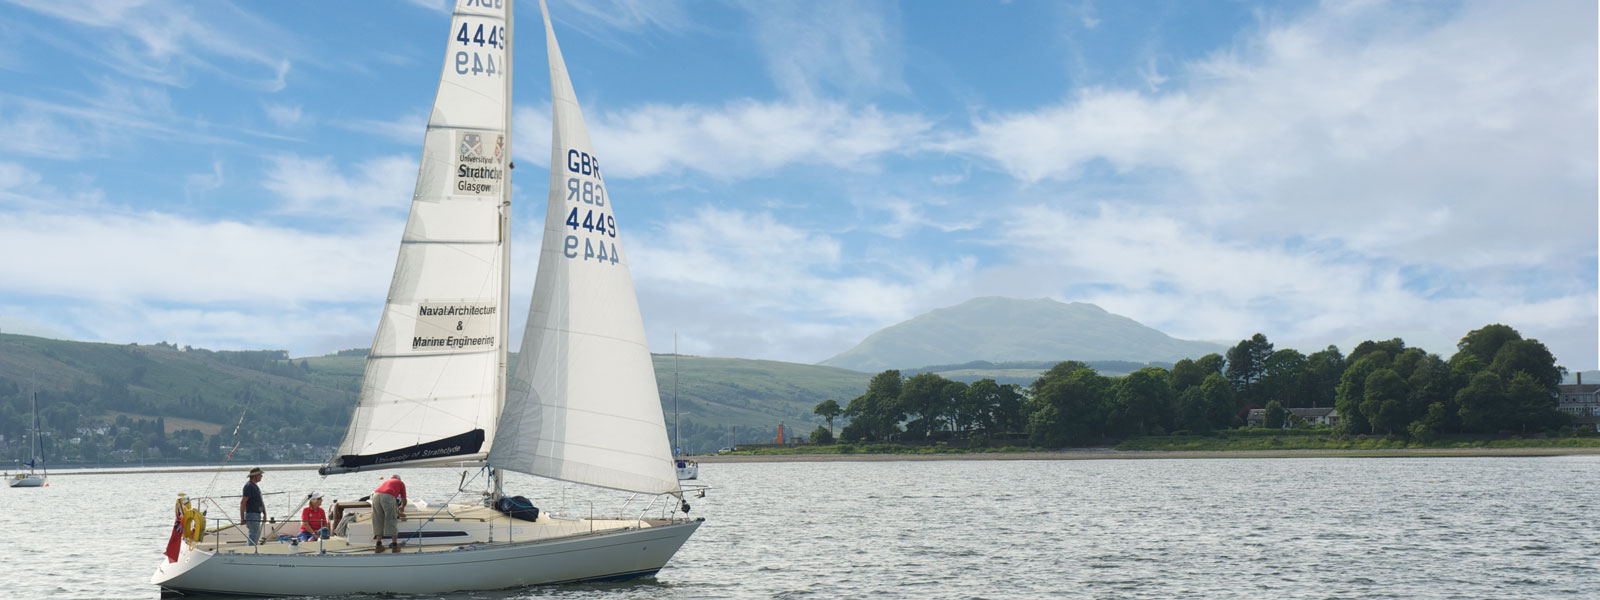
x=593, y=234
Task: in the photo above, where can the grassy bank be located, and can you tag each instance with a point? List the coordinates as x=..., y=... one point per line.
x=1255, y=439
x=1239, y=440
x=851, y=449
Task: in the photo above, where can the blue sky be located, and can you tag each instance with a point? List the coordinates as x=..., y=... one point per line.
x=795, y=175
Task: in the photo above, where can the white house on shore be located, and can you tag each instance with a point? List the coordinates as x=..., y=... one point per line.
x=1326, y=417
x=1582, y=401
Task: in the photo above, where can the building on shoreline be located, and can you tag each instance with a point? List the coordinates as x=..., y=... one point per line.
x=1582, y=401
x=1325, y=417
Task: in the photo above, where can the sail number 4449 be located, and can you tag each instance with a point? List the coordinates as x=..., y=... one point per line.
x=592, y=249
x=480, y=35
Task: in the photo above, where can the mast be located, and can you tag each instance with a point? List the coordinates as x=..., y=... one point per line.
x=676, y=441
x=433, y=384
x=583, y=404
x=505, y=247
x=35, y=447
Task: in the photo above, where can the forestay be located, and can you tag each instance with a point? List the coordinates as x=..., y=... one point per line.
x=431, y=390
x=582, y=405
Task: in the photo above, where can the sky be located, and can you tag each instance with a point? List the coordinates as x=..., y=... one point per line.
x=795, y=175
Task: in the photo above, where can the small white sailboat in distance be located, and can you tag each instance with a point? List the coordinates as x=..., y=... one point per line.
x=34, y=477
x=581, y=406
x=688, y=469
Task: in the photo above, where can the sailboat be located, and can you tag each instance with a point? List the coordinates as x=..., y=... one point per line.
x=688, y=469
x=32, y=478
x=581, y=405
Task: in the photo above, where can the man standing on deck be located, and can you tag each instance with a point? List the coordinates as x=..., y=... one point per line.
x=252, y=508
x=388, y=507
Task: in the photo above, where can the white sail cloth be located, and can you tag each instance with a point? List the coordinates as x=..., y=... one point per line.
x=431, y=389
x=582, y=404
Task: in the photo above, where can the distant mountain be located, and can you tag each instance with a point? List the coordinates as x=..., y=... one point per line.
x=1010, y=329
x=1025, y=372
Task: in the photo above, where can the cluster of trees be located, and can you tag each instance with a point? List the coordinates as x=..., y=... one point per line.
x=925, y=406
x=1495, y=382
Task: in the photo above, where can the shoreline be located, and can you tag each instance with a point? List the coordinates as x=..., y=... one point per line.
x=1079, y=454
x=70, y=471
x=1109, y=454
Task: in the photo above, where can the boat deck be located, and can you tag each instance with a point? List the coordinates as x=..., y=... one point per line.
x=425, y=529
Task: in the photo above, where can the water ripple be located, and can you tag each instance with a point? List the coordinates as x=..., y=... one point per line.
x=1511, y=528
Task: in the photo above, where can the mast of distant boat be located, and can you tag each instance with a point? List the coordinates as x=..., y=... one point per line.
x=35, y=455
x=676, y=441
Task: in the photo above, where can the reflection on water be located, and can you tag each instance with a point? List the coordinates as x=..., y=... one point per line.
x=1264, y=528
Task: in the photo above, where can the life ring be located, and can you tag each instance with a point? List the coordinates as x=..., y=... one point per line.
x=192, y=522
x=195, y=528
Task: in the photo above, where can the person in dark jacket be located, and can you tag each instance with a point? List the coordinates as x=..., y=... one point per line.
x=252, y=509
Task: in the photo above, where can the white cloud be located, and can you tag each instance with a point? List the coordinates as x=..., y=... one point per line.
x=1191, y=283
x=750, y=286
x=1086, y=15
x=23, y=189
x=18, y=326
x=301, y=329
x=98, y=124
x=442, y=6
x=630, y=15
x=15, y=178
x=828, y=47
x=1388, y=132
x=906, y=216
x=161, y=42
x=149, y=256
x=283, y=115
x=1358, y=171
x=104, y=272
x=320, y=186
x=746, y=138
x=201, y=183
x=405, y=129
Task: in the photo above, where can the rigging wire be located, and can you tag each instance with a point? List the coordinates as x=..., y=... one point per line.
x=249, y=399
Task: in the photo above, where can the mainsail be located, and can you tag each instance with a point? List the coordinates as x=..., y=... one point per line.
x=433, y=381
x=582, y=405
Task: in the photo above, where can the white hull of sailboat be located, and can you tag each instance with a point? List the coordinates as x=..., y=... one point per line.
x=26, y=481
x=601, y=556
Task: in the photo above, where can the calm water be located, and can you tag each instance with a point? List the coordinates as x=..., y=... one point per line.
x=1262, y=528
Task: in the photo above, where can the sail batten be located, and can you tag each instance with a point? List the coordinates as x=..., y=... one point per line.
x=434, y=371
x=582, y=405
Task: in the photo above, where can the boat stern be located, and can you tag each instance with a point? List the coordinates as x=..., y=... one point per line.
x=175, y=576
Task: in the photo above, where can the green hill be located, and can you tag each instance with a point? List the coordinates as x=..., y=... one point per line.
x=719, y=398
x=1009, y=329
x=124, y=403
x=84, y=387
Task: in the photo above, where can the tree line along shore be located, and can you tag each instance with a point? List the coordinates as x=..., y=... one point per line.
x=1498, y=390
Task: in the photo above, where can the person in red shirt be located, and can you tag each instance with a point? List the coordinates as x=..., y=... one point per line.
x=388, y=507
x=313, y=520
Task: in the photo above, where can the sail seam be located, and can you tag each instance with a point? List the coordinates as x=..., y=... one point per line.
x=489, y=16
x=432, y=126
x=431, y=355
x=576, y=332
x=455, y=242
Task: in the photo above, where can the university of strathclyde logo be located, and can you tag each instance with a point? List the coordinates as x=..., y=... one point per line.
x=472, y=146
x=477, y=173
